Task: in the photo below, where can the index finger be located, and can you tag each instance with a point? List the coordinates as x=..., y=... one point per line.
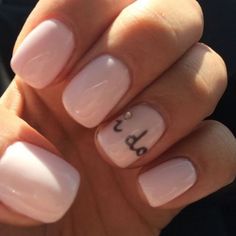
x=57, y=34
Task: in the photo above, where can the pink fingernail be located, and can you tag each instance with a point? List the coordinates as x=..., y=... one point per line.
x=130, y=136
x=92, y=94
x=36, y=183
x=167, y=181
x=43, y=53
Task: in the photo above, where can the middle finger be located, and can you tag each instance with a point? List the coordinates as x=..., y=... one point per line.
x=145, y=39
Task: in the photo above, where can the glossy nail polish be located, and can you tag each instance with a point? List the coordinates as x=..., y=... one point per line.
x=94, y=92
x=167, y=181
x=129, y=137
x=43, y=53
x=36, y=183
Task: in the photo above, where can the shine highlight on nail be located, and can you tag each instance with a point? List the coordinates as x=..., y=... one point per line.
x=167, y=181
x=95, y=90
x=36, y=183
x=43, y=53
x=129, y=137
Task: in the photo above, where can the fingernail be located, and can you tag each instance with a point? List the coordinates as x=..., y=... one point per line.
x=130, y=136
x=36, y=183
x=167, y=181
x=92, y=94
x=43, y=53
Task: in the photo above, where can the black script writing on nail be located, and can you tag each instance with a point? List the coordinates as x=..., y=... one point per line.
x=117, y=127
x=131, y=140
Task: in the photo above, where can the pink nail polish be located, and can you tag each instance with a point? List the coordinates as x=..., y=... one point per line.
x=167, y=181
x=130, y=136
x=36, y=183
x=43, y=53
x=92, y=94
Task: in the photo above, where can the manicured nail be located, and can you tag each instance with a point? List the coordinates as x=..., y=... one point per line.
x=36, y=183
x=43, y=54
x=130, y=136
x=92, y=94
x=167, y=181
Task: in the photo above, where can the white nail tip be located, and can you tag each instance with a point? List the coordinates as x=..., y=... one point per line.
x=36, y=183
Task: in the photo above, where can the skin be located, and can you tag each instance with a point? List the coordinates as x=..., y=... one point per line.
x=113, y=204
x=103, y=203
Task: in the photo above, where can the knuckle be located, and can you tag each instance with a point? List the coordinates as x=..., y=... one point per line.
x=202, y=96
x=225, y=143
x=197, y=10
x=198, y=88
x=213, y=73
x=221, y=135
x=208, y=76
x=216, y=127
x=191, y=15
x=213, y=56
x=220, y=131
x=158, y=23
x=197, y=19
x=149, y=23
x=143, y=31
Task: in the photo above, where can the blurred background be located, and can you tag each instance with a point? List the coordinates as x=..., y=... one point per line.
x=215, y=215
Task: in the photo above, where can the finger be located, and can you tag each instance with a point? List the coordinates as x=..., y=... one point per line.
x=143, y=41
x=36, y=184
x=199, y=165
x=12, y=99
x=57, y=34
x=166, y=111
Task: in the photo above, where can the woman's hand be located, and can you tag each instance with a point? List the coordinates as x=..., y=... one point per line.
x=134, y=72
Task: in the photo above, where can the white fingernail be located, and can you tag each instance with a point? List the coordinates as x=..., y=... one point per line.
x=43, y=53
x=127, y=139
x=36, y=182
x=167, y=181
x=94, y=92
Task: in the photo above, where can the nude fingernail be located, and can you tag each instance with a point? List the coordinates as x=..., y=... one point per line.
x=43, y=53
x=130, y=136
x=36, y=183
x=167, y=181
x=92, y=94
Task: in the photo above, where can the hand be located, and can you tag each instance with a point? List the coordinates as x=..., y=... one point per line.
x=135, y=71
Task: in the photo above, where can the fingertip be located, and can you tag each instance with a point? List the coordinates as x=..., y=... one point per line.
x=37, y=183
x=167, y=181
x=199, y=165
x=43, y=53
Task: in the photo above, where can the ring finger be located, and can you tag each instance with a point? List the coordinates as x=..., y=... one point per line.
x=166, y=111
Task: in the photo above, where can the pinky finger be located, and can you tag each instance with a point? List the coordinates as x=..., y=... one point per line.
x=199, y=165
